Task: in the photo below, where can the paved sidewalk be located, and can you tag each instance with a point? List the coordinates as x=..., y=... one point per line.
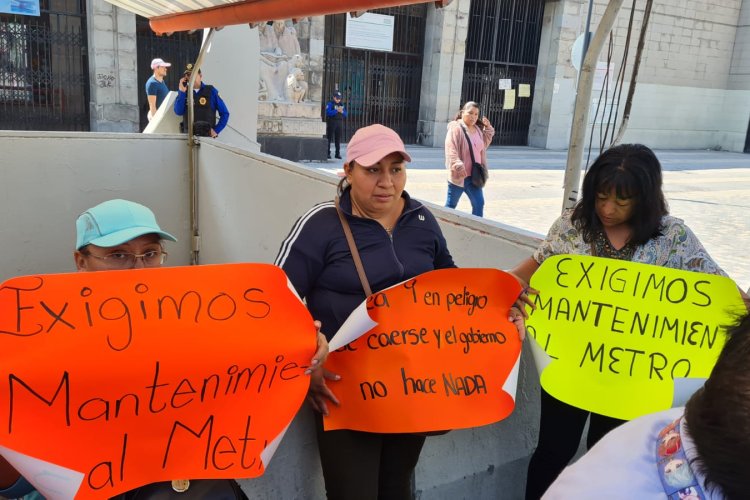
x=710, y=190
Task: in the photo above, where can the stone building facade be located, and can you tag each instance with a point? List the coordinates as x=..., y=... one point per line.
x=693, y=88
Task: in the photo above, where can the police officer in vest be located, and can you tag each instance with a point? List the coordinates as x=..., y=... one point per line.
x=206, y=103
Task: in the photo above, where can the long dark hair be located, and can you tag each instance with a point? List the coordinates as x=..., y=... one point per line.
x=468, y=105
x=633, y=171
x=718, y=417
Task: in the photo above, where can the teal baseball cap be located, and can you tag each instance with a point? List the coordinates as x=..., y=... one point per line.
x=115, y=222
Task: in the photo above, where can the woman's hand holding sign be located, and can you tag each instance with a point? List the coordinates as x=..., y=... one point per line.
x=523, y=273
x=321, y=354
x=320, y=392
x=516, y=316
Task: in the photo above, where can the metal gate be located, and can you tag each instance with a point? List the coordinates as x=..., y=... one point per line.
x=44, y=77
x=179, y=49
x=503, y=44
x=378, y=87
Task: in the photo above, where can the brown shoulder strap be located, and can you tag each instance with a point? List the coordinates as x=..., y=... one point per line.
x=353, y=250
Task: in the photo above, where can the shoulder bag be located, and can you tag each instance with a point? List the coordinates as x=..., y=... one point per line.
x=479, y=172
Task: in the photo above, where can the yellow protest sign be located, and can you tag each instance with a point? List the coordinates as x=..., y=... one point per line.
x=111, y=380
x=615, y=337
x=509, y=99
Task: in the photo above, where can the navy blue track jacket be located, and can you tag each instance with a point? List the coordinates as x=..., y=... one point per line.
x=317, y=260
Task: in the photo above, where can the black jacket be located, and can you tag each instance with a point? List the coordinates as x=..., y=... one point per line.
x=317, y=260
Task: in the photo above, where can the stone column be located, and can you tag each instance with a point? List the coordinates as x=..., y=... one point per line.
x=312, y=32
x=442, y=70
x=739, y=72
x=739, y=81
x=556, y=78
x=234, y=73
x=113, y=75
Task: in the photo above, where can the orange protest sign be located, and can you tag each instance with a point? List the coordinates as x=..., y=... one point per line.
x=111, y=380
x=434, y=352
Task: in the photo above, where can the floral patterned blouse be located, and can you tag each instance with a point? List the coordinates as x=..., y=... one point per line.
x=676, y=248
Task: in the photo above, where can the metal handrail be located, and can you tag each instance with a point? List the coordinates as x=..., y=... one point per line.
x=193, y=144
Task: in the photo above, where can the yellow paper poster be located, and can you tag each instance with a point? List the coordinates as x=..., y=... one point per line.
x=510, y=99
x=524, y=90
x=619, y=338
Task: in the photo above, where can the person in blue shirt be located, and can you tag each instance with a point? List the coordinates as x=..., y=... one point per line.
x=206, y=103
x=335, y=114
x=156, y=89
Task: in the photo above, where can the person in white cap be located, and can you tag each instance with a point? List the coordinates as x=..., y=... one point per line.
x=156, y=89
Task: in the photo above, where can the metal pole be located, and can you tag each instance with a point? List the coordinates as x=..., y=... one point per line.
x=583, y=102
x=587, y=33
x=634, y=77
x=193, y=144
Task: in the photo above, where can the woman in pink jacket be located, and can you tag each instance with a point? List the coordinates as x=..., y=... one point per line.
x=458, y=156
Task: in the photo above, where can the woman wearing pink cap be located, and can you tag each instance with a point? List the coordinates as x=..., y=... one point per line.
x=397, y=238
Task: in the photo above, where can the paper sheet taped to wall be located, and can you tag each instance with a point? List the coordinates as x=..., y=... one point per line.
x=510, y=99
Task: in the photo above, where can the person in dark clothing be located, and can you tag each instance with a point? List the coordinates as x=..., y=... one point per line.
x=206, y=103
x=335, y=114
x=398, y=238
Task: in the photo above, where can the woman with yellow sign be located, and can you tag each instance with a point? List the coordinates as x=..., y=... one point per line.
x=622, y=214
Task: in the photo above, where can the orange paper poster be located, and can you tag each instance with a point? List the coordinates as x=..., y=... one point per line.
x=111, y=380
x=434, y=352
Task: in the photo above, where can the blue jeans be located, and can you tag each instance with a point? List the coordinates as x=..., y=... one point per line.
x=475, y=194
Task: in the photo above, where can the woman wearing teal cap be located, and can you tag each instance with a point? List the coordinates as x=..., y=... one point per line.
x=119, y=234
x=116, y=235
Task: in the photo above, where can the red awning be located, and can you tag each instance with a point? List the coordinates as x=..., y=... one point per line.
x=185, y=15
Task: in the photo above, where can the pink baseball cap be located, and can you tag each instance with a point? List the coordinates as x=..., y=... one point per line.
x=371, y=144
x=159, y=62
